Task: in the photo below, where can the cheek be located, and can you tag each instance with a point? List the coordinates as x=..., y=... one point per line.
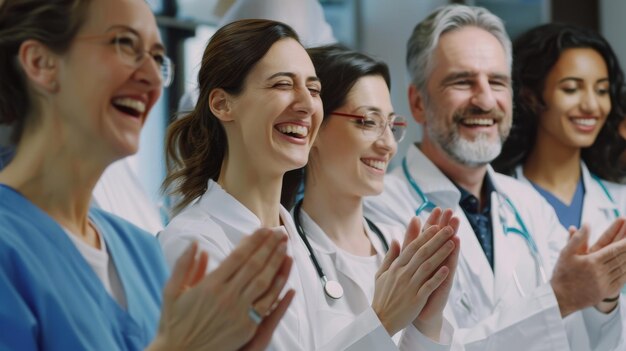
x=605, y=105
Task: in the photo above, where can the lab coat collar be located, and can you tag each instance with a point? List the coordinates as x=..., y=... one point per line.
x=324, y=244
x=595, y=197
x=435, y=185
x=442, y=191
x=594, y=191
x=230, y=212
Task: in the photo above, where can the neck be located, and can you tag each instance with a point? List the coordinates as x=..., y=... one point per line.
x=338, y=214
x=554, y=166
x=469, y=178
x=257, y=191
x=55, y=176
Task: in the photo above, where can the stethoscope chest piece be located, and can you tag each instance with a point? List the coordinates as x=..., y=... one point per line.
x=333, y=289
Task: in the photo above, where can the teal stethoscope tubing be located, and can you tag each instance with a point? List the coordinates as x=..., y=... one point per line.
x=606, y=192
x=608, y=195
x=522, y=230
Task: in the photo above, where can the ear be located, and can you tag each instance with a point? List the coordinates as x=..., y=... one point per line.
x=219, y=103
x=416, y=104
x=40, y=65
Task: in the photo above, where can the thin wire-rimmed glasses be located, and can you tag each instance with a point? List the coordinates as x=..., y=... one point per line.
x=130, y=49
x=373, y=124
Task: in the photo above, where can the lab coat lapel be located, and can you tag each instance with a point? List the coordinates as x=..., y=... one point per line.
x=328, y=257
x=506, y=251
x=473, y=257
x=597, y=207
x=238, y=221
x=229, y=212
x=440, y=190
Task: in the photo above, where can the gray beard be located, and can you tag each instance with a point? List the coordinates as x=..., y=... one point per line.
x=475, y=153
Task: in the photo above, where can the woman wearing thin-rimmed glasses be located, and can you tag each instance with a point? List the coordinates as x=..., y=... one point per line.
x=348, y=160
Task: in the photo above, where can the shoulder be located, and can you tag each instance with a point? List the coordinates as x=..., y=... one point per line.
x=194, y=225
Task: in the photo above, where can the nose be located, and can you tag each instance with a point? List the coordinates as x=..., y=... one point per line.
x=386, y=142
x=590, y=103
x=304, y=102
x=148, y=72
x=483, y=97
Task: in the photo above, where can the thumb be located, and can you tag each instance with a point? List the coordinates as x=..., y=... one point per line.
x=577, y=243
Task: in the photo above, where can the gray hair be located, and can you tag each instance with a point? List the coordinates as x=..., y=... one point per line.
x=427, y=33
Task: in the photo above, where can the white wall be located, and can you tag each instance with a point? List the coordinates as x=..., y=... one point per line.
x=385, y=28
x=613, y=26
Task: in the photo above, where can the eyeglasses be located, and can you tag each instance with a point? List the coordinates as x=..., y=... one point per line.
x=130, y=49
x=373, y=124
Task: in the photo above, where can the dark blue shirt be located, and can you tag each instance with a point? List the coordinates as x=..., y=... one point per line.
x=480, y=220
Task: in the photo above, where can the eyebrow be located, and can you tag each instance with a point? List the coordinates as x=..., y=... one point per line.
x=580, y=80
x=158, y=46
x=375, y=109
x=292, y=76
x=468, y=74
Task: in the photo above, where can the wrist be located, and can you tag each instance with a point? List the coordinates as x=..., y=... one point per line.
x=562, y=300
x=384, y=322
x=431, y=328
x=608, y=305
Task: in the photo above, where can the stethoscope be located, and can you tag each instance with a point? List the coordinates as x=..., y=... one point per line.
x=606, y=192
x=503, y=200
x=426, y=205
x=332, y=288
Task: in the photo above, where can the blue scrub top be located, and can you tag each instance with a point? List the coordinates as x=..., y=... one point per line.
x=50, y=298
x=569, y=215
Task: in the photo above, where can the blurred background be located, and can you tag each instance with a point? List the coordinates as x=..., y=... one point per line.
x=376, y=27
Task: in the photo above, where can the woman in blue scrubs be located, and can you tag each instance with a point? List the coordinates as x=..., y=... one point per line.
x=78, y=80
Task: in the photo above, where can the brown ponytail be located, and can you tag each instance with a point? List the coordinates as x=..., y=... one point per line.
x=197, y=143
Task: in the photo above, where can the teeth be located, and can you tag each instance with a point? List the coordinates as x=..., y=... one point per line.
x=587, y=122
x=478, y=121
x=295, y=129
x=381, y=165
x=136, y=105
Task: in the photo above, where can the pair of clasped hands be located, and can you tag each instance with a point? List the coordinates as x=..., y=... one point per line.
x=213, y=311
x=591, y=276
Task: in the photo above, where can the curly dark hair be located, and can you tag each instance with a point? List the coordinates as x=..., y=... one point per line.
x=534, y=54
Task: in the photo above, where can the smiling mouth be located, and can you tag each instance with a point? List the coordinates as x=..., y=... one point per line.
x=585, y=122
x=376, y=164
x=478, y=122
x=130, y=106
x=293, y=130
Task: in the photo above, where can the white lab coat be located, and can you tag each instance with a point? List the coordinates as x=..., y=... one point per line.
x=357, y=276
x=511, y=309
x=598, y=209
x=217, y=221
x=598, y=213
